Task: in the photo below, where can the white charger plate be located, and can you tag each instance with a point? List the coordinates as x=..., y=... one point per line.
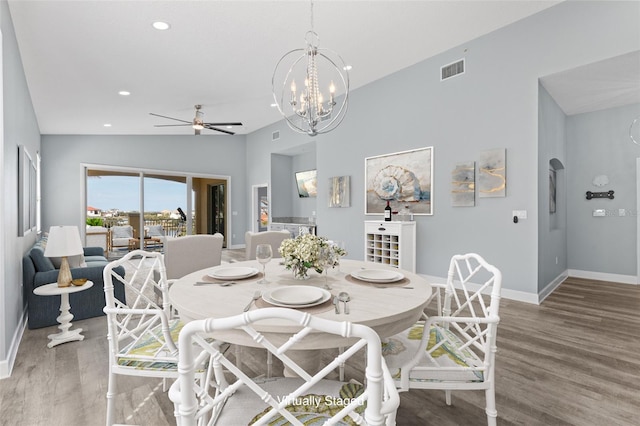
x=232, y=272
x=266, y=296
x=377, y=275
x=296, y=295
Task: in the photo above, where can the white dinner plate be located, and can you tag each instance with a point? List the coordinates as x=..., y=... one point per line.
x=266, y=296
x=232, y=272
x=296, y=295
x=377, y=275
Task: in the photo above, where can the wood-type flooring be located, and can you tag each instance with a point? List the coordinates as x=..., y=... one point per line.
x=573, y=360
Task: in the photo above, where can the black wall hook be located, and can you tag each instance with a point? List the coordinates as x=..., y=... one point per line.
x=607, y=194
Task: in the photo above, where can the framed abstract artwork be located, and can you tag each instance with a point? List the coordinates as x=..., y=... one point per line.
x=492, y=173
x=463, y=184
x=402, y=178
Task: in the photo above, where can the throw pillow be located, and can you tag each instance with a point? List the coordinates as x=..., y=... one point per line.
x=155, y=231
x=122, y=232
x=42, y=263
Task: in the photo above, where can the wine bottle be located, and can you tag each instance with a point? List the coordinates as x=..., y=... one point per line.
x=387, y=212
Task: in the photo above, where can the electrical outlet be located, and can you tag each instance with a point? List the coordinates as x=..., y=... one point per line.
x=520, y=214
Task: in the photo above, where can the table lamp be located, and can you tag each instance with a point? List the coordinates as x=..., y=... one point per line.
x=63, y=241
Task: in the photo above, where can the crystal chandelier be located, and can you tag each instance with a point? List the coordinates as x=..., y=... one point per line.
x=307, y=109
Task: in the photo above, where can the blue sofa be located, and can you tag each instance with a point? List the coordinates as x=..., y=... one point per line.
x=38, y=270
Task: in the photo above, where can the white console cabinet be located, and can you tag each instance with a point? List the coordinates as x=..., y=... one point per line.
x=391, y=243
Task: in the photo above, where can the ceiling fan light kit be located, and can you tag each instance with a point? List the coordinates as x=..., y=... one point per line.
x=197, y=123
x=305, y=110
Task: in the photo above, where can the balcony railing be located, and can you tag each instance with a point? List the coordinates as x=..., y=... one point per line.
x=172, y=227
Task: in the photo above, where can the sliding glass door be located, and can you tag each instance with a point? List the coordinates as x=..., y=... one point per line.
x=179, y=203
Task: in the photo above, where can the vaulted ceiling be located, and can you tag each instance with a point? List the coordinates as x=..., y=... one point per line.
x=78, y=55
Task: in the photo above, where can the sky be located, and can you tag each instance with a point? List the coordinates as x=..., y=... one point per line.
x=122, y=193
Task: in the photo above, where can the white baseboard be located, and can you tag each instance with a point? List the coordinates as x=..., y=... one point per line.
x=549, y=288
x=517, y=295
x=6, y=365
x=602, y=276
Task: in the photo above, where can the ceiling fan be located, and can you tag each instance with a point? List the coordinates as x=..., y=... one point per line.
x=198, y=124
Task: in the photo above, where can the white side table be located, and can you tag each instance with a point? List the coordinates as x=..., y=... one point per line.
x=65, y=317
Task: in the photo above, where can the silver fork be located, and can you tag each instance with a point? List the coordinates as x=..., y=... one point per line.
x=224, y=284
x=255, y=297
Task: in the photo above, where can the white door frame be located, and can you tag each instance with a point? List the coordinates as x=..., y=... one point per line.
x=254, y=201
x=637, y=212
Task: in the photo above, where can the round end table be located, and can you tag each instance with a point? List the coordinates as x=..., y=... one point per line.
x=65, y=335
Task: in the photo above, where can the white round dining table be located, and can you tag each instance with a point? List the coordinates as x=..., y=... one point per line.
x=388, y=308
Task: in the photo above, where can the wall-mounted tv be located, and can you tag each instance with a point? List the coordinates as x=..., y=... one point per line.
x=306, y=182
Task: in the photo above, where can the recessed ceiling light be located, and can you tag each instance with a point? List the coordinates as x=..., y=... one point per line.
x=274, y=105
x=347, y=67
x=107, y=125
x=229, y=127
x=124, y=93
x=159, y=25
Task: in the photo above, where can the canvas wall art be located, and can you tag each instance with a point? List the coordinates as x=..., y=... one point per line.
x=463, y=185
x=402, y=178
x=339, y=192
x=492, y=173
x=27, y=187
x=552, y=191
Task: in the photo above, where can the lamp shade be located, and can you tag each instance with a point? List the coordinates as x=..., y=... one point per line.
x=63, y=241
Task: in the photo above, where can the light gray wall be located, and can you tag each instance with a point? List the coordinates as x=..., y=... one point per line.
x=552, y=227
x=62, y=178
x=598, y=143
x=493, y=105
x=20, y=128
x=281, y=185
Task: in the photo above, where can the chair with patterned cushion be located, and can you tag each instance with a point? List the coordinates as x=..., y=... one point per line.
x=310, y=398
x=454, y=350
x=141, y=333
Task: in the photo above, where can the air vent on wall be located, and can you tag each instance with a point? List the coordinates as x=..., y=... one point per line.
x=452, y=69
x=275, y=135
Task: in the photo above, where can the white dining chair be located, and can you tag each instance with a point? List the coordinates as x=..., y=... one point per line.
x=190, y=253
x=308, y=399
x=142, y=334
x=454, y=350
x=273, y=238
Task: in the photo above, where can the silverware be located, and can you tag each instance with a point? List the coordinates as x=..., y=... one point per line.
x=255, y=297
x=224, y=284
x=336, y=304
x=343, y=296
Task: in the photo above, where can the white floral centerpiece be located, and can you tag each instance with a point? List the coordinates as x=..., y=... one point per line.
x=305, y=252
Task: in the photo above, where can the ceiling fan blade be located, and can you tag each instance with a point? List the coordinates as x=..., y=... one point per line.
x=171, y=125
x=223, y=124
x=207, y=126
x=170, y=118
